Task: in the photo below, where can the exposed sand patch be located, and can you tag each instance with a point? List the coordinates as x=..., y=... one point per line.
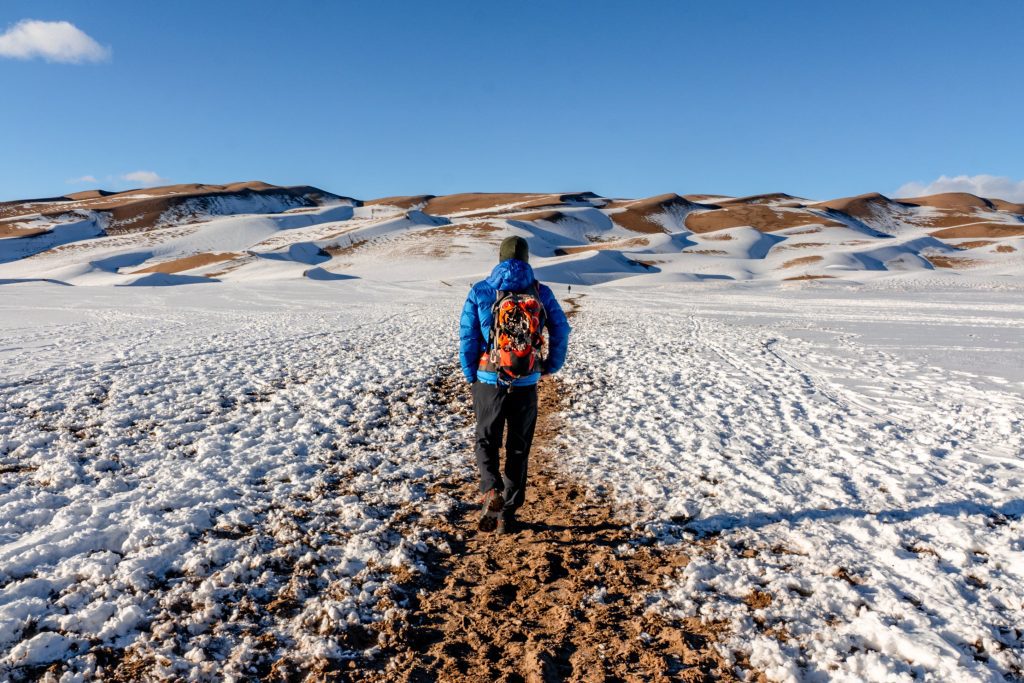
x=960, y=201
x=801, y=261
x=767, y=198
x=981, y=230
x=626, y=244
x=808, y=277
x=758, y=216
x=973, y=245
x=407, y=202
x=1004, y=205
x=1005, y=249
x=490, y=201
x=707, y=252
x=800, y=245
x=943, y=261
x=188, y=262
x=641, y=215
x=863, y=206
x=20, y=230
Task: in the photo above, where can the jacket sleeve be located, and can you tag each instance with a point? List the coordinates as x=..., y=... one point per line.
x=558, y=330
x=469, y=337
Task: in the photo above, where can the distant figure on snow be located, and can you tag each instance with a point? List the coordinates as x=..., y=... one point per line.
x=501, y=346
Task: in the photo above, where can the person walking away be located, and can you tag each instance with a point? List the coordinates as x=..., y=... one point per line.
x=501, y=344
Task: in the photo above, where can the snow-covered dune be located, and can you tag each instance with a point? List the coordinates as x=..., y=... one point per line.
x=246, y=232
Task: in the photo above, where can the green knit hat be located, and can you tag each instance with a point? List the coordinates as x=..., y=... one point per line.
x=514, y=247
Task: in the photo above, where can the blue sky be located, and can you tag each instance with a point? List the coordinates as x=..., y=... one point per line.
x=817, y=99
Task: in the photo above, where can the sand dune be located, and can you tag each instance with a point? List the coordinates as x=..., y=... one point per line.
x=863, y=206
x=99, y=237
x=772, y=198
x=187, y=263
x=651, y=215
x=759, y=216
x=961, y=201
x=414, y=201
x=485, y=201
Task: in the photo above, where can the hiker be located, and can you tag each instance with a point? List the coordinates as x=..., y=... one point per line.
x=510, y=306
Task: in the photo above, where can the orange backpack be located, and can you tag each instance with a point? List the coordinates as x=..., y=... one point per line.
x=517, y=335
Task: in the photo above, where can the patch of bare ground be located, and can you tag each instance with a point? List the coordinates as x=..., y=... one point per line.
x=801, y=261
x=759, y=216
x=1005, y=249
x=414, y=201
x=980, y=231
x=800, y=245
x=708, y=252
x=20, y=230
x=975, y=244
x=188, y=263
x=491, y=201
x=562, y=599
x=632, y=243
x=942, y=261
x=808, y=277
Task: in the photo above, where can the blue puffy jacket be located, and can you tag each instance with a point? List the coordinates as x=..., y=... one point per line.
x=511, y=275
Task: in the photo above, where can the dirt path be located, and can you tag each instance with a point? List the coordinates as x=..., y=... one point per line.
x=561, y=600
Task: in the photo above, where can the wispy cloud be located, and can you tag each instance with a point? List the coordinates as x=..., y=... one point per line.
x=991, y=186
x=144, y=178
x=86, y=179
x=54, y=41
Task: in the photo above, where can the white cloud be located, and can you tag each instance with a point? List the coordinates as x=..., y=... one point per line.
x=83, y=180
x=989, y=186
x=144, y=178
x=54, y=41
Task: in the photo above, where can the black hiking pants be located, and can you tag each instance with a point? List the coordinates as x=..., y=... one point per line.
x=495, y=408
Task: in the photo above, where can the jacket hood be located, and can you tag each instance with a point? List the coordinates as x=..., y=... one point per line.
x=512, y=275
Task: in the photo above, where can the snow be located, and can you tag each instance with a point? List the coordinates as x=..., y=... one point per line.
x=857, y=457
x=183, y=456
x=184, y=467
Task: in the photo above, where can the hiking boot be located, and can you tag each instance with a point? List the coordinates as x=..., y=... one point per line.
x=507, y=524
x=490, y=510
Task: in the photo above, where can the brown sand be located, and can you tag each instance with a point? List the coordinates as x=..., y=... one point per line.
x=808, y=277
x=625, y=245
x=976, y=244
x=802, y=261
x=1004, y=205
x=769, y=198
x=188, y=263
x=20, y=230
x=981, y=230
x=407, y=202
x=486, y=201
x=861, y=206
x=943, y=261
x=960, y=201
x=639, y=215
x=1005, y=249
x=799, y=245
x=758, y=216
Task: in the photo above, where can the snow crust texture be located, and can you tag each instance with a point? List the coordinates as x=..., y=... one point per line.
x=850, y=494
x=237, y=489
